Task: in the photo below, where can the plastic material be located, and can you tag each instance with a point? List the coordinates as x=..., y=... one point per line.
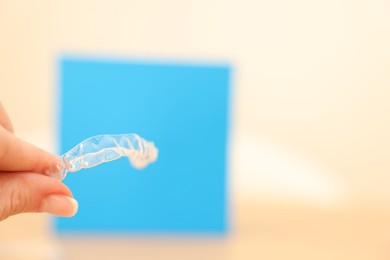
x=104, y=148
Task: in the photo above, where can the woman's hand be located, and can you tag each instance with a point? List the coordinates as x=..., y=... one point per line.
x=24, y=186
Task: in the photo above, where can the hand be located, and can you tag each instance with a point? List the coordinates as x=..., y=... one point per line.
x=24, y=186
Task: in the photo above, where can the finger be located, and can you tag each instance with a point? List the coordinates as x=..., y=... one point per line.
x=4, y=119
x=18, y=155
x=32, y=192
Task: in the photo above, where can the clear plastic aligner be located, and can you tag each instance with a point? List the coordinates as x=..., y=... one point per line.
x=104, y=148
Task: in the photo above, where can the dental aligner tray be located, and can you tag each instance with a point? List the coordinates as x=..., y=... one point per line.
x=105, y=148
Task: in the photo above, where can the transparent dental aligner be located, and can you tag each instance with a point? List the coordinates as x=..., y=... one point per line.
x=104, y=148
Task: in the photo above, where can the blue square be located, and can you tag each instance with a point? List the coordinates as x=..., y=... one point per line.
x=183, y=109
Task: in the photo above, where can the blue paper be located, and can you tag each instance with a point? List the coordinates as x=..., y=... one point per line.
x=183, y=109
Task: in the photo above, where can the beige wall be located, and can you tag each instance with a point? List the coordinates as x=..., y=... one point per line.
x=310, y=75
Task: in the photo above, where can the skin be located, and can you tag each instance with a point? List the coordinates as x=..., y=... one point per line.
x=24, y=186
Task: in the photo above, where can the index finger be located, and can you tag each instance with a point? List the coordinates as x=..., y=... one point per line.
x=4, y=119
x=18, y=155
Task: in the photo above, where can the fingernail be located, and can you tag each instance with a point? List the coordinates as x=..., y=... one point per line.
x=59, y=205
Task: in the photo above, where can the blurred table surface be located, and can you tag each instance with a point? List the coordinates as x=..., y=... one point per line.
x=259, y=230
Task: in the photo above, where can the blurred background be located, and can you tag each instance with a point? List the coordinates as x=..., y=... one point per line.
x=309, y=138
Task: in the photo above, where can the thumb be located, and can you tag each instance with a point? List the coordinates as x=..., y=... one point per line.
x=32, y=192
